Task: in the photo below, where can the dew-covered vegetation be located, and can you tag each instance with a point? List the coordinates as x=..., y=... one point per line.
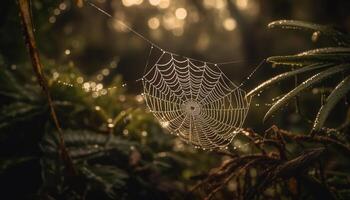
x=160, y=99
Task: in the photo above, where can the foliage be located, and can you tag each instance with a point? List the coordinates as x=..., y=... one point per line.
x=324, y=63
x=280, y=164
x=117, y=149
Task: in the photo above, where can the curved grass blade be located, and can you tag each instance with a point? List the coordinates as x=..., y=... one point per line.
x=327, y=50
x=282, y=76
x=306, y=59
x=306, y=84
x=338, y=93
x=338, y=36
x=296, y=24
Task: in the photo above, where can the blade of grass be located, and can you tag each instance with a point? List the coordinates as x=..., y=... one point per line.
x=306, y=84
x=306, y=59
x=337, y=36
x=283, y=76
x=337, y=94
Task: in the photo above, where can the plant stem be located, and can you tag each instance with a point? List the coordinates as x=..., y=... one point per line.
x=27, y=25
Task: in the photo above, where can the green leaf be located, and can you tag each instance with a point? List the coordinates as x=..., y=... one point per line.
x=11, y=87
x=301, y=60
x=330, y=54
x=108, y=177
x=306, y=84
x=327, y=50
x=295, y=24
x=15, y=112
x=6, y=163
x=337, y=94
x=282, y=76
x=337, y=36
x=83, y=145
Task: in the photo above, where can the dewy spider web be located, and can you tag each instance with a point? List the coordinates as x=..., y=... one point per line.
x=193, y=99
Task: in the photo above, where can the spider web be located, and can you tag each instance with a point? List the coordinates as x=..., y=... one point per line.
x=195, y=100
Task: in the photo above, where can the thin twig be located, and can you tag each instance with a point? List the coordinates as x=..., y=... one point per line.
x=24, y=11
x=318, y=139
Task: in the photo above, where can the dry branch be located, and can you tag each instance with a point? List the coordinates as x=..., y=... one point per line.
x=27, y=25
x=273, y=165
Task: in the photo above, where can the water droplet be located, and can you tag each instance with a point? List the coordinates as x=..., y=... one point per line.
x=126, y=132
x=99, y=77
x=144, y=133
x=105, y=72
x=315, y=36
x=80, y=80
x=67, y=52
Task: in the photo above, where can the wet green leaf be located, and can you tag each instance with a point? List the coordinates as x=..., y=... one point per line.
x=108, y=177
x=286, y=75
x=6, y=163
x=301, y=60
x=305, y=85
x=337, y=36
x=322, y=55
x=84, y=145
x=337, y=94
x=18, y=111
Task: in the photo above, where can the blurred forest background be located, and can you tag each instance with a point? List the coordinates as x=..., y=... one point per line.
x=92, y=63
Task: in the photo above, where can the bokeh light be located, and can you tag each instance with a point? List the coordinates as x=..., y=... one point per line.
x=229, y=24
x=154, y=2
x=181, y=13
x=164, y=4
x=128, y=3
x=153, y=23
x=242, y=4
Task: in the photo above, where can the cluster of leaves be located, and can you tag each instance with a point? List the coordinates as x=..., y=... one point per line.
x=323, y=63
x=281, y=164
x=88, y=146
x=107, y=163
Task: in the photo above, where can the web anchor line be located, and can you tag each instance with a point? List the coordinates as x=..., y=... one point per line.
x=192, y=98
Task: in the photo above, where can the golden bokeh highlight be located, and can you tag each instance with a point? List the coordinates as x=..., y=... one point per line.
x=153, y=23
x=181, y=13
x=229, y=24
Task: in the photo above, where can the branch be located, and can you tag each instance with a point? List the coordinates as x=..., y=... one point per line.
x=27, y=25
x=291, y=168
x=316, y=139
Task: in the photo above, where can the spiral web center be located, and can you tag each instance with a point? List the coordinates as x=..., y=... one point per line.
x=195, y=100
x=191, y=108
